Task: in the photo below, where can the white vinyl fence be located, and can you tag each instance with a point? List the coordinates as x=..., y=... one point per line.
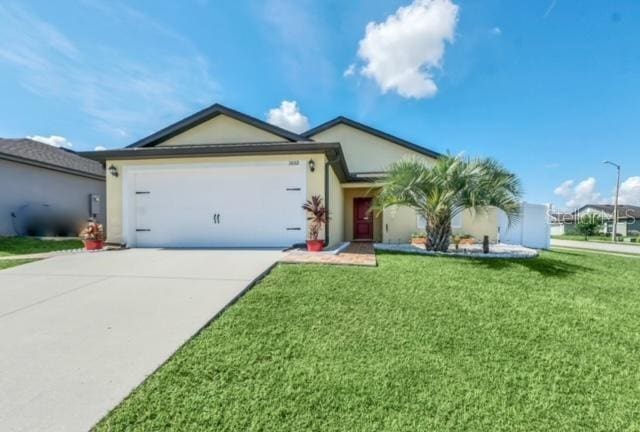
x=532, y=230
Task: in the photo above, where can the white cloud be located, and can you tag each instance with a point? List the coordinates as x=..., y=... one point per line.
x=351, y=70
x=289, y=117
x=401, y=53
x=100, y=148
x=52, y=140
x=585, y=192
x=496, y=31
x=630, y=191
x=160, y=77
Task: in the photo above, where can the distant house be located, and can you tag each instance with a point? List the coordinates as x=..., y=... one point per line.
x=47, y=190
x=628, y=219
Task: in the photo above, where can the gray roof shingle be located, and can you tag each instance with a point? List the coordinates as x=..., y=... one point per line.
x=29, y=151
x=624, y=211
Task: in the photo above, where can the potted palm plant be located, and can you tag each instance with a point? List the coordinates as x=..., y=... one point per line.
x=317, y=216
x=93, y=236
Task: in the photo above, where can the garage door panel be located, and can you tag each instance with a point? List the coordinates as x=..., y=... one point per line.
x=258, y=205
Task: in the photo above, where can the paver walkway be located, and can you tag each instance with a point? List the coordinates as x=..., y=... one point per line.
x=357, y=253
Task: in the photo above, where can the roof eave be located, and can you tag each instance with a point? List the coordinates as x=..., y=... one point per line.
x=375, y=132
x=52, y=167
x=333, y=152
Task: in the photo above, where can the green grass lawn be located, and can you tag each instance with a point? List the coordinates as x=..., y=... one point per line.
x=28, y=245
x=417, y=344
x=5, y=264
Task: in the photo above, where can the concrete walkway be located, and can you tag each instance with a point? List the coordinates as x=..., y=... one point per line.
x=79, y=332
x=597, y=246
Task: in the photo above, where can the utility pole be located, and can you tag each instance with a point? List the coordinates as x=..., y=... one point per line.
x=614, y=233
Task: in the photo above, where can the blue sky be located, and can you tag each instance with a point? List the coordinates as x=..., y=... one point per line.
x=549, y=87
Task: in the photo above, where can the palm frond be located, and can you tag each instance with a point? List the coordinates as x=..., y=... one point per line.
x=449, y=187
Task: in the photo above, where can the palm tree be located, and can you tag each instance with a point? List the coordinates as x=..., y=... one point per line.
x=441, y=191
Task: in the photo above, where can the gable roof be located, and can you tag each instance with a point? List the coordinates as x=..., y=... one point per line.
x=207, y=114
x=30, y=152
x=375, y=132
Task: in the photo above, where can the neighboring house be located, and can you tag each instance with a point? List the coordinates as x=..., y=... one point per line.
x=39, y=180
x=223, y=178
x=562, y=223
x=628, y=219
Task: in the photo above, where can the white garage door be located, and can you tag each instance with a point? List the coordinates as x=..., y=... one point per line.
x=216, y=205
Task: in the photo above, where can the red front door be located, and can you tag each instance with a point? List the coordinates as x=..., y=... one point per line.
x=362, y=219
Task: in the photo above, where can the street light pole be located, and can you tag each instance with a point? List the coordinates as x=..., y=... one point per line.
x=614, y=233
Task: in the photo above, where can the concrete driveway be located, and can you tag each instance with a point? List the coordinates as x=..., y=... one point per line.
x=79, y=332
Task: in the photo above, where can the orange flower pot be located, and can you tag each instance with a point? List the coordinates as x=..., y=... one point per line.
x=419, y=241
x=315, y=245
x=93, y=244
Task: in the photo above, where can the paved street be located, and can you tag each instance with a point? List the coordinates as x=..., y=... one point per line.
x=597, y=246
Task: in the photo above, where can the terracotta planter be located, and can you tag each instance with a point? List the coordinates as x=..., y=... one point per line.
x=315, y=245
x=419, y=241
x=93, y=244
x=468, y=241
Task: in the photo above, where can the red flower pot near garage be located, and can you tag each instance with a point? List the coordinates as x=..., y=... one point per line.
x=315, y=245
x=93, y=244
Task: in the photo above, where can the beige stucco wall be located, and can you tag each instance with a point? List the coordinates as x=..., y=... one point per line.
x=349, y=195
x=399, y=223
x=479, y=224
x=219, y=130
x=336, y=210
x=315, y=181
x=364, y=152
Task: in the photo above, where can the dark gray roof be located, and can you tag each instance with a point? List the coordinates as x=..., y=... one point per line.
x=624, y=211
x=207, y=114
x=375, y=132
x=35, y=153
x=562, y=216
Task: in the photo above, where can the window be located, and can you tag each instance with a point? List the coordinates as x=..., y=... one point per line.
x=456, y=222
x=421, y=223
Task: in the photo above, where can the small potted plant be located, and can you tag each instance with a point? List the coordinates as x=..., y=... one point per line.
x=463, y=239
x=317, y=216
x=93, y=236
x=419, y=239
x=456, y=239
x=467, y=239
